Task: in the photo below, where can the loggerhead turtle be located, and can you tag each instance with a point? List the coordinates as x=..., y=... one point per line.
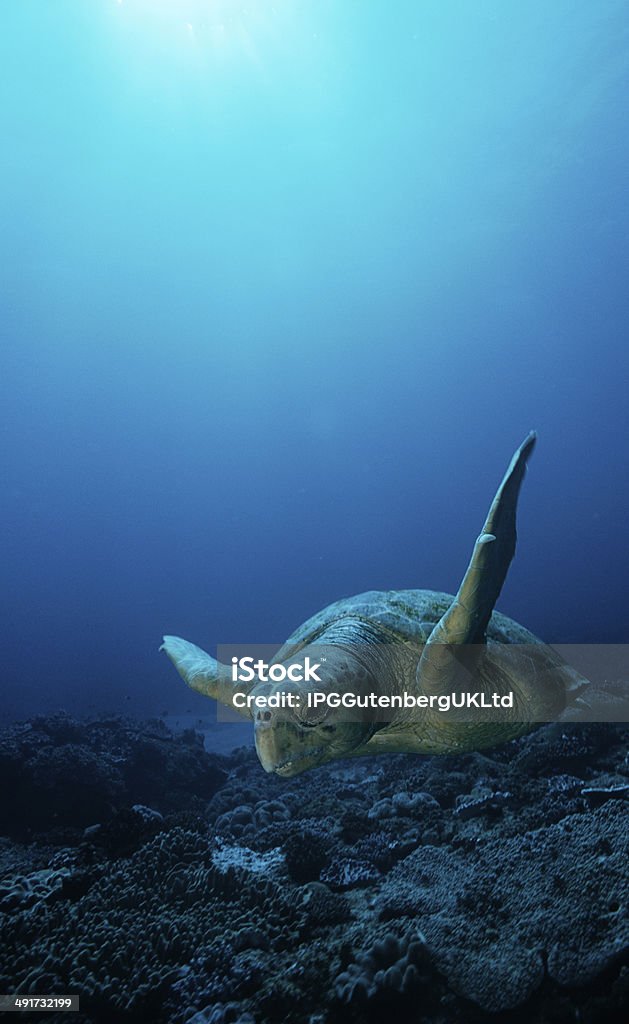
x=391, y=642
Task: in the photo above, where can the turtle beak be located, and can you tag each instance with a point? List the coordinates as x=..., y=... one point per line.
x=276, y=741
x=283, y=747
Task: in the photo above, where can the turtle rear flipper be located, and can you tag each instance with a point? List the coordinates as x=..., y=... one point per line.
x=467, y=618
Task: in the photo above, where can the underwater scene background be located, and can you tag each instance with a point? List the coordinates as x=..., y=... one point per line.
x=284, y=284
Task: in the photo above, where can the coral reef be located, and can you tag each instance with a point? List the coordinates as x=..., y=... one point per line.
x=59, y=774
x=169, y=885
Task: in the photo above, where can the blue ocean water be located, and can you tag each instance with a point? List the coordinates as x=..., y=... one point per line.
x=283, y=286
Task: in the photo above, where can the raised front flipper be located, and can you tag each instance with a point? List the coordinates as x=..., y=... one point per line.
x=466, y=620
x=203, y=673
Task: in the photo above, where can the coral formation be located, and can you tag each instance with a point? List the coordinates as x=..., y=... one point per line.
x=440, y=889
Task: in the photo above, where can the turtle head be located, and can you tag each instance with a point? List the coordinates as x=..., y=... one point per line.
x=294, y=729
x=297, y=730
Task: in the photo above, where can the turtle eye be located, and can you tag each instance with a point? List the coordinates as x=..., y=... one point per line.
x=310, y=717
